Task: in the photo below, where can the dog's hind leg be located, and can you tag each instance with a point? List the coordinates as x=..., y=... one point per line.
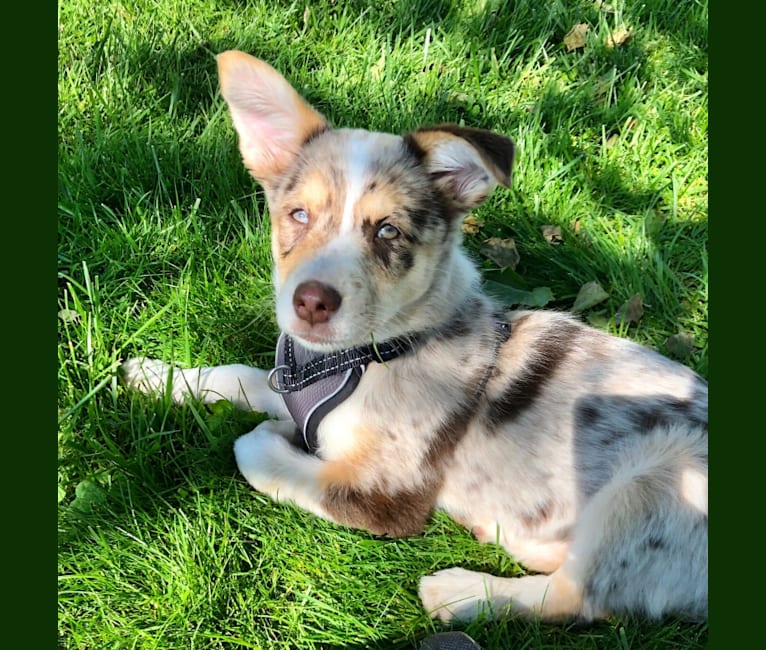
x=639, y=545
x=243, y=386
x=458, y=594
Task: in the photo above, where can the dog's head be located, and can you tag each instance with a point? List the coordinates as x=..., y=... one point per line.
x=365, y=226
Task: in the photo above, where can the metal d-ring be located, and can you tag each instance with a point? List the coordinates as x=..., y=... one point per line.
x=274, y=382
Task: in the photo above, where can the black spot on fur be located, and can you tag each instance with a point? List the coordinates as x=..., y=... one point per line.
x=654, y=543
x=526, y=386
x=498, y=149
x=292, y=181
x=424, y=218
x=412, y=149
x=312, y=135
x=448, y=436
x=587, y=415
x=406, y=259
x=538, y=516
x=665, y=412
x=463, y=322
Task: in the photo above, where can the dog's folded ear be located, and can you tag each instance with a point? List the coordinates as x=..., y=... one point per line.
x=270, y=118
x=465, y=163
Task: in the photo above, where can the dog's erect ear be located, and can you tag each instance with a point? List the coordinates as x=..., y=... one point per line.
x=465, y=163
x=271, y=119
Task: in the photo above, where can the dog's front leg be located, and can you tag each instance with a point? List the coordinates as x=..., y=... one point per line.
x=243, y=386
x=275, y=467
x=331, y=489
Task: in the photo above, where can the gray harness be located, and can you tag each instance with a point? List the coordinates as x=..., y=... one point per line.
x=312, y=384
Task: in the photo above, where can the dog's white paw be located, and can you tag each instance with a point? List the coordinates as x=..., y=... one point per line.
x=456, y=594
x=145, y=375
x=261, y=456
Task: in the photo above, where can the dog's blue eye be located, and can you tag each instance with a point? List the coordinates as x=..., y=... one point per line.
x=301, y=216
x=387, y=231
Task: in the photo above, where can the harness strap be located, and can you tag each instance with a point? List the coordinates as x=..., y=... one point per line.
x=313, y=384
x=291, y=375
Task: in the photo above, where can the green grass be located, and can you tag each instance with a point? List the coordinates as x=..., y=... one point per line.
x=163, y=251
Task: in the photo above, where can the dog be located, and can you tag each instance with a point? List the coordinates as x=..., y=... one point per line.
x=400, y=387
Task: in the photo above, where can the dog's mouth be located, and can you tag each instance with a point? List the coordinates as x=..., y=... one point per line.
x=321, y=341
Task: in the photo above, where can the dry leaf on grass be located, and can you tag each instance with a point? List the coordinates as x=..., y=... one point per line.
x=376, y=71
x=618, y=37
x=631, y=311
x=552, y=234
x=501, y=251
x=69, y=315
x=471, y=225
x=575, y=39
x=511, y=296
x=680, y=345
x=591, y=293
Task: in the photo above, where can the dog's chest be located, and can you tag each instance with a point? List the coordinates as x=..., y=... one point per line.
x=385, y=427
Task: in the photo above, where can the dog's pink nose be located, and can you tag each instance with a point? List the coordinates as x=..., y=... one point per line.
x=315, y=302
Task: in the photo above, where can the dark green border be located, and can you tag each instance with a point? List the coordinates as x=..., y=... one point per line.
x=28, y=361
x=736, y=177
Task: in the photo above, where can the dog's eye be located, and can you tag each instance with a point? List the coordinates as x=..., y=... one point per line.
x=301, y=216
x=387, y=231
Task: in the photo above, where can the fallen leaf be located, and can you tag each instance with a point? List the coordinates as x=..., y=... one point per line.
x=88, y=495
x=576, y=226
x=631, y=311
x=604, y=6
x=471, y=225
x=377, y=69
x=552, y=234
x=604, y=84
x=680, y=345
x=575, y=39
x=653, y=223
x=510, y=296
x=591, y=293
x=459, y=98
x=598, y=320
x=501, y=251
x=69, y=315
x=618, y=37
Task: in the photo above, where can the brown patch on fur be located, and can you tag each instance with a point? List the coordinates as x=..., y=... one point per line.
x=385, y=200
x=383, y=512
x=348, y=470
x=398, y=514
x=393, y=513
x=319, y=193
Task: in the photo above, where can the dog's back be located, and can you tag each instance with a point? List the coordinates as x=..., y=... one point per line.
x=588, y=455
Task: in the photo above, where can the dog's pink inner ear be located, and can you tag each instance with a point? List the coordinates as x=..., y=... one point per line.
x=270, y=118
x=466, y=164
